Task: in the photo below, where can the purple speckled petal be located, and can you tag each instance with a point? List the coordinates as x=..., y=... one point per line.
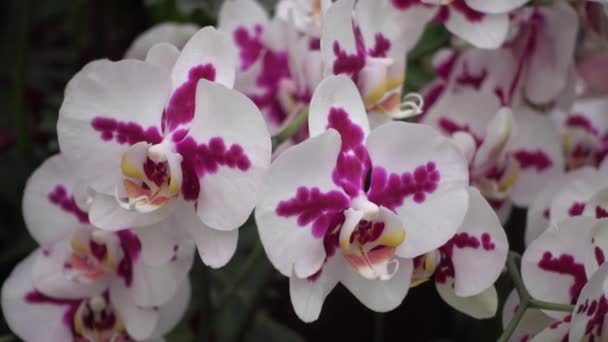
x=553, y=265
x=107, y=106
x=207, y=47
x=180, y=109
x=246, y=22
x=50, y=193
x=298, y=196
x=228, y=149
x=480, y=244
x=589, y=317
x=537, y=147
x=336, y=104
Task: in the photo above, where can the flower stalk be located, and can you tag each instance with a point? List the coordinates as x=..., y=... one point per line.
x=525, y=299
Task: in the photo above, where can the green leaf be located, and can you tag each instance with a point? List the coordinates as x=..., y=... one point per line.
x=265, y=329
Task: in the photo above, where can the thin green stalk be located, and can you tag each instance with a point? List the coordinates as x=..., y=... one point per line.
x=510, y=329
x=294, y=126
x=539, y=304
x=7, y=338
x=513, y=262
x=525, y=299
x=22, y=119
x=205, y=307
x=248, y=265
x=378, y=327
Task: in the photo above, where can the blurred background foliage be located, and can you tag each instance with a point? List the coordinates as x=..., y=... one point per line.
x=45, y=42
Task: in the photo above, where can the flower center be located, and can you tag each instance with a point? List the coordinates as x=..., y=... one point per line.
x=369, y=238
x=95, y=321
x=498, y=181
x=93, y=256
x=152, y=176
x=581, y=148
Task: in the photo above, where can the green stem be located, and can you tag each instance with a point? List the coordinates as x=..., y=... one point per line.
x=525, y=299
x=378, y=327
x=248, y=265
x=294, y=126
x=204, y=324
x=510, y=329
x=7, y=338
x=540, y=304
x=513, y=262
x=22, y=121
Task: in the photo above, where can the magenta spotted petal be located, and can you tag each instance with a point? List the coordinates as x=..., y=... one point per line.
x=553, y=266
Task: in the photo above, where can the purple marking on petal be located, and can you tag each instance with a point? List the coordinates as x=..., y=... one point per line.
x=566, y=265
x=466, y=78
x=461, y=6
x=36, y=297
x=405, y=4
x=537, y=159
x=331, y=242
x=445, y=69
x=125, y=132
x=180, y=109
x=202, y=159
x=274, y=69
x=431, y=95
x=345, y=63
x=599, y=255
x=99, y=251
x=314, y=43
x=556, y=324
x=249, y=44
x=381, y=46
x=469, y=13
x=353, y=162
x=576, y=209
x=131, y=247
x=156, y=172
x=59, y=197
x=600, y=212
x=445, y=269
x=449, y=126
x=323, y=210
x=596, y=311
x=390, y=191
x=582, y=122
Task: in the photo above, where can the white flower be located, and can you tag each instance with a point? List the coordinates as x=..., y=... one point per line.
x=166, y=142
x=354, y=206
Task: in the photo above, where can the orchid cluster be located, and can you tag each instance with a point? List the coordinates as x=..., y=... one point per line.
x=300, y=120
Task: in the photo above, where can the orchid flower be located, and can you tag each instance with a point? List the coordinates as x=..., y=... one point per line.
x=165, y=143
x=369, y=46
x=565, y=265
x=105, y=315
x=482, y=23
x=585, y=133
x=279, y=68
x=534, y=66
x=354, y=206
x=168, y=32
x=511, y=155
x=579, y=192
x=78, y=268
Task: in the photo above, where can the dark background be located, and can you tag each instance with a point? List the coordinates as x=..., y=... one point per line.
x=44, y=42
